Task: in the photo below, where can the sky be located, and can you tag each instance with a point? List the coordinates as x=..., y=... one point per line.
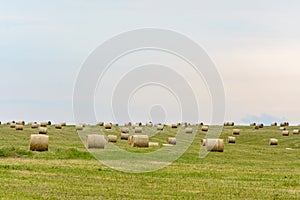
x=255, y=46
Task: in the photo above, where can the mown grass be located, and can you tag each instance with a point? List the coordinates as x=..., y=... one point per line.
x=249, y=169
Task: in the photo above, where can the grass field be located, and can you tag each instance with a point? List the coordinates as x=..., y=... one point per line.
x=249, y=169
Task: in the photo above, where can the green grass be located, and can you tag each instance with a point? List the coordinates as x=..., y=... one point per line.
x=249, y=169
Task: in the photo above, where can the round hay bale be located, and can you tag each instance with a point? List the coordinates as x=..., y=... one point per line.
x=138, y=124
x=171, y=140
x=201, y=124
x=160, y=127
x=253, y=124
x=260, y=125
x=39, y=142
x=204, y=128
x=34, y=125
x=140, y=141
x=63, y=124
x=58, y=126
x=230, y=139
x=79, y=127
x=203, y=142
x=228, y=123
x=282, y=128
x=189, y=130
x=49, y=123
x=285, y=133
x=149, y=124
x=44, y=124
x=125, y=130
x=215, y=145
x=12, y=125
x=284, y=124
x=236, y=131
x=153, y=144
x=43, y=130
x=112, y=138
x=19, y=127
x=138, y=129
x=256, y=127
x=100, y=124
x=295, y=131
x=124, y=136
x=274, y=124
x=108, y=126
x=94, y=141
x=127, y=124
x=273, y=141
x=174, y=126
x=20, y=123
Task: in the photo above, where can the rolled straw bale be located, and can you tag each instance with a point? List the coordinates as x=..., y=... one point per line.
x=253, y=124
x=216, y=145
x=116, y=124
x=236, y=131
x=39, y=142
x=273, y=141
x=201, y=124
x=189, y=130
x=174, y=126
x=160, y=127
x=153, y=144
x=282, y=128
x=63, y=124
x=295, y=131
x=95, y=141
x=82, y=124
x=171, y=140
x=79, y=127
x=100, y=123
x=19, y=127
x=260, y=125
x=140, y=141
x=127, y=124
x=228, y=123
x=49, y=123
x=58, y=126
x=124, y=136
x=112, y=138
x=138, y=124
x=204, y=128
x=149, y=124
x=20, y=123
x=44, y=124
x=274, y=124
x=34, y=125
x=284, y=124
x=285, y=133
x=138, y=129
x=203, y=142
x=125, y=130
x=12, y=125
x=108, y=126
x=43, y=130
x=230, y=139
x=256, y=127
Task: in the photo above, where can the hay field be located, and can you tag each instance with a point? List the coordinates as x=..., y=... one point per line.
x=248, y=169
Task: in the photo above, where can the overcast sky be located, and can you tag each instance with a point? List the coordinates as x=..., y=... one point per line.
x=255, y=45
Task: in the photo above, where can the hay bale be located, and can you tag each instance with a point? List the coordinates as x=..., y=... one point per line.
x=19, y=127
x=160, y=127
x=149, y=124
x=79, y=127
x=127, y=124
x=236, y=131
x=253, y=124
x=34, y=125
x=153, y=144
x=189, y=130
x=58, y=126
x=129, y=139
x=124, y=130
x=124, y=136
x=138, y=124
x=140, y=141
x=204, y=128
x=12, y=125
x=100, y=123
x=39, y=142
x=20, y=123
x=112, y=138
x=273, y=141
x=44, y=124
x=174, y=126
x=95, y=141
x=214, y=145
x=256, y=127
x=203, y=142
x=285, y=133
x=138, y=129
x=108, y=126
x=295, y=131
x=284, y=124
x=49, y=123
x=63, y=124
x=228, y=123
x=230, y=139
x=274, y=124
x=171, y=140
x=282, y=128
x=43, y=130
x=260, y=125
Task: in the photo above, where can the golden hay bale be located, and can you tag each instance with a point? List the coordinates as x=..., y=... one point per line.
x=58, y=126
x=236, y=131
x=260, y=125
x=63, y=124
x=256, y=127
x=189, y=130
x=20, y=123
x=127, y=124
x=216, y=145
x=95, y=141
x=138, y=124
x=203, y=142
x=49, y=123
x=138, y=129
x=230, y=139
x=39, y=142
x=44, y=124
x=34, y=125
x=125, y=130
x=282, y=128
x=19, y=127
x=285, y=133
x=153, y=144
x=140, y=141
x=273, y=141
x=295, y=131
x=100, y=124
x=174, y=126
x=79, y=127
x=171, y=140
x=228, y=123
x=112, y=138
x=12, y=125
x=253, y=124
x=204, y=128
x=108, y=126
x=274, y=124
x=43, y=130
x=284, y=124
x=160, y=127
x=124, y=136
x=149, y=124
